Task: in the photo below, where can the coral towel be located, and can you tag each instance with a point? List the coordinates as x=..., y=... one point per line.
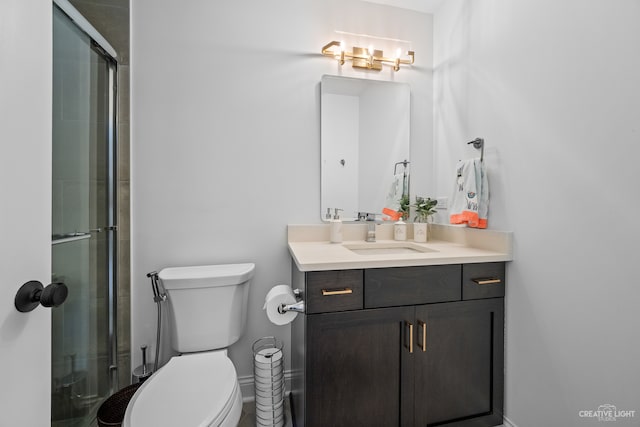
x=470, y=200
x=392, y=202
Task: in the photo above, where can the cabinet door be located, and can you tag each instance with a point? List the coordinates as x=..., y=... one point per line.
x=354, y=367
x=459, y=363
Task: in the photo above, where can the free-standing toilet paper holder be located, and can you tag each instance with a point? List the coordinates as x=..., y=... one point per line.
x=298, y=306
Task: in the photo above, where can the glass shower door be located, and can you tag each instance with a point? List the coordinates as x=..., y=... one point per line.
x=83, y=241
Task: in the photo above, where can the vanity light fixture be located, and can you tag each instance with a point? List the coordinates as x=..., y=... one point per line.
x=369, y=58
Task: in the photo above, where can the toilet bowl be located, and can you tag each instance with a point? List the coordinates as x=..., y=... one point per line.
x=195, y=390
x=199, y=387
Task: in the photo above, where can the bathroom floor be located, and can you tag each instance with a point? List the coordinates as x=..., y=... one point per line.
x=248, y=418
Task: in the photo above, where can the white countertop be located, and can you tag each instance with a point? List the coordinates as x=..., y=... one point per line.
x=310, y=248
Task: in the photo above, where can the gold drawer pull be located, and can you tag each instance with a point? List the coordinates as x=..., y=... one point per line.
x=487, y=281
x=423, y=325
x=410, y=346
x=344, y=291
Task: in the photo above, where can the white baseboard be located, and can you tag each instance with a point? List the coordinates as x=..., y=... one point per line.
x=508, y=422
x=248, y=390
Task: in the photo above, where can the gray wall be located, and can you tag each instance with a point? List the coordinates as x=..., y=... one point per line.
x=553, y=88
x=225, y=134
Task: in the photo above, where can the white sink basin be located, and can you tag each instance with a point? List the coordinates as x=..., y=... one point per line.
x=387, y=248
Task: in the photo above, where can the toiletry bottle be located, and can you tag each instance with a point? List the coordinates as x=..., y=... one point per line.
x=400, y=230
x=335, y=227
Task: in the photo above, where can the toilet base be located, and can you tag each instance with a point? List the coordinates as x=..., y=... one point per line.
x=233, y=417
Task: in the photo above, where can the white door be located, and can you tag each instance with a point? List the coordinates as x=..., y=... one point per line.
x=25, y=208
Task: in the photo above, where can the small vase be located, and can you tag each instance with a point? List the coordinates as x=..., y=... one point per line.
x=400, y=230
x=420, y=232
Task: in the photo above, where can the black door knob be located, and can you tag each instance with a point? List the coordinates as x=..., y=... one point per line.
x=33, y=293
x=54, y=294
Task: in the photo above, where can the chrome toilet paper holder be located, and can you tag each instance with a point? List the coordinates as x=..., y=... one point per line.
x=298, y=306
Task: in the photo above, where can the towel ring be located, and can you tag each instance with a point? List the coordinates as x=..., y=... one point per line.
x=403, y=163
x=478, y=143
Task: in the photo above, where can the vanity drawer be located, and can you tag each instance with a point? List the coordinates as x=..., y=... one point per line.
x=387, y=287
x=484, y=280
x=336, y=290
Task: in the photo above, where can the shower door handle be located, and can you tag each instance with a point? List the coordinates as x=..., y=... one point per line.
x=101, y=229
x=32, y=294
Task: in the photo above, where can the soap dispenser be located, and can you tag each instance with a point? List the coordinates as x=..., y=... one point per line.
x=400, y=230
x=335, y=227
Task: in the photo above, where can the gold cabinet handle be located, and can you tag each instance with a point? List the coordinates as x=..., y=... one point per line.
x=487, y=281
x=410, y=346
x=423, y=345
x=345, y=291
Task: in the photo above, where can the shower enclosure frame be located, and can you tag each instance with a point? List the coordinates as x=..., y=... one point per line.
x=112, y=217
x=101, y=47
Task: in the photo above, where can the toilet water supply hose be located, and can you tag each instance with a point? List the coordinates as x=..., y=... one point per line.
x=158, y=298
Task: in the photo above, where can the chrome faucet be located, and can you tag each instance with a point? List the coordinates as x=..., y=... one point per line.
x=370, y=219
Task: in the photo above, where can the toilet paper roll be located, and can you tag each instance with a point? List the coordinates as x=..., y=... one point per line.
x=278, y=295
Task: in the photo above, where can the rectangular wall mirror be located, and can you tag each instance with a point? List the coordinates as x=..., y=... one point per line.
x=365, y=144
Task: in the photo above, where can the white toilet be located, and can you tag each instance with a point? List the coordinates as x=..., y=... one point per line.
x=198, y=388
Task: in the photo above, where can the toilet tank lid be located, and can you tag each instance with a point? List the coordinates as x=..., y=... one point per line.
x=201, y=276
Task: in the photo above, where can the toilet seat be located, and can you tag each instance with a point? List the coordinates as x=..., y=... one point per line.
x=193, y=390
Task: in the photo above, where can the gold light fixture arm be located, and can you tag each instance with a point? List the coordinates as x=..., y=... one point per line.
x=327, y=52
x=362, y=58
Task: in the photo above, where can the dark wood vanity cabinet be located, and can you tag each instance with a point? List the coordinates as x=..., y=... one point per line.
x=406, y=347
x=353, y=368
x=458, y=376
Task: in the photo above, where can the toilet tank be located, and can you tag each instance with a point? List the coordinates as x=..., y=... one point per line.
x=207, y=305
